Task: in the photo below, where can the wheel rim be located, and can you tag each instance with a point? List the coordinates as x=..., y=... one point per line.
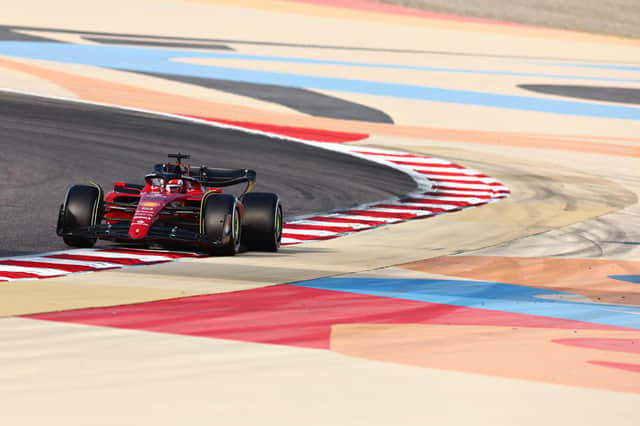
x=278, y=225
x=236, y=228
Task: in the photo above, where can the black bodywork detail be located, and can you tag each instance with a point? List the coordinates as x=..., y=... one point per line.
x=130, y=188
x=159, y=233
x=207, y=176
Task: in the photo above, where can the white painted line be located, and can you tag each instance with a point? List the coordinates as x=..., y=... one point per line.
x=369, y=218
x=43, y=259
x=440, y=170
x=392, y=210
x=43, y=272
x=313, y=232
x=286, y=240
x=332, y=224
x=116, y=255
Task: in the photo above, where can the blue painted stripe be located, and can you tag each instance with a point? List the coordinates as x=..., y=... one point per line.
x=633, y=68
x=484, y=295
x=162, y=61
x=262, y=58
x=634, y=279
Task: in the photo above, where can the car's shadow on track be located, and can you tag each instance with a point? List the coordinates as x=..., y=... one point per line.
x=290, y=250
x=283, y=252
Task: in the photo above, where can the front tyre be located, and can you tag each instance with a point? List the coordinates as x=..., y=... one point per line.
x=263, y=215
x=221, y=224
x=83, y=208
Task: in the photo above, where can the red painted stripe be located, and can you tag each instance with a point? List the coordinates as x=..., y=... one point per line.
x=633, y=368
x=122, y=261
x=435, y=201
x=450, y=194
x=346, y=220
x=319, y=227
x=401, y=207
x=291, y=315
x=631, y=346
x=414, y=164
x=465, y=182
x=451, y=174
x=304, y=237
x=17, y=275
x=294, y=132
x=382, y=154
x=67, y=268
x=462, y=188
x=382, y=214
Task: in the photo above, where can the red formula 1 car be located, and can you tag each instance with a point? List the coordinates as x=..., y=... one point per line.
x=178, y=205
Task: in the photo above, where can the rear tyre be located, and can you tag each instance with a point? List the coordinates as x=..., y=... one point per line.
x=83, y=207
x=262, y=229
x=221, y=224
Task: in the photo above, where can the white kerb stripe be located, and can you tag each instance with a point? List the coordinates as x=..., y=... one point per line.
x=286, y=240
x=114, y=255
x=313, y=232
x=372, y=218
x=392, y=210
x=439, y=170
x=96, y=265
x=43, y=272
x=332, y=224
x=466, y=185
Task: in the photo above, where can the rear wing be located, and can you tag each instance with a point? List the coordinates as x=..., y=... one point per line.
x=212, y=177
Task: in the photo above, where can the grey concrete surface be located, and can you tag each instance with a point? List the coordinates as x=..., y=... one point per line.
x=157, y=43
x=616, y=17
x=623, y=95
x=299, y=99
x=48, y=145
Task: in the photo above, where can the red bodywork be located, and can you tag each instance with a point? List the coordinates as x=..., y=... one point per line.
x=158, y=200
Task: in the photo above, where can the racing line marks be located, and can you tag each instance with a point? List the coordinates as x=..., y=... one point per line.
x=450, y=188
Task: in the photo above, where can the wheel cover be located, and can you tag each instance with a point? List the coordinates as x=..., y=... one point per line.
x=278, y=224
x=236, y=228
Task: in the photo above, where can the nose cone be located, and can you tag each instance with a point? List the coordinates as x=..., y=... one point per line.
x=138, y=231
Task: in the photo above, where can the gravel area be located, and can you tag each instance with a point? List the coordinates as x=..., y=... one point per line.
x=616, y=17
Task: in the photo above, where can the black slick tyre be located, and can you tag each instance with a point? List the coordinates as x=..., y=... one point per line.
x=221, y=224
x=262, y=229
x=83, y=207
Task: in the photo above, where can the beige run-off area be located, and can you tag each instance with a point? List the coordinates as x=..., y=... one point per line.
x=575, y=191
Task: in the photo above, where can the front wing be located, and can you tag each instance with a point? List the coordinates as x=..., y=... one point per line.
x=158, y=234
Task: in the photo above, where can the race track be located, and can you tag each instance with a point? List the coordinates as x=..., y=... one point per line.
x=51, y=144
x=503, y=291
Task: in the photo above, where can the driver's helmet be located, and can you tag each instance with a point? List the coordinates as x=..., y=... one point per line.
x=175, y=185
x=156, y=184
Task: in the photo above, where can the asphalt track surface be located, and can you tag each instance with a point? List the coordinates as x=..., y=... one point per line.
x=623, y=95
x=48, y=145
x=303, y=100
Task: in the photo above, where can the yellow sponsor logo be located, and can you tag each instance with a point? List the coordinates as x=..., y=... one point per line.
x=150, y=204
